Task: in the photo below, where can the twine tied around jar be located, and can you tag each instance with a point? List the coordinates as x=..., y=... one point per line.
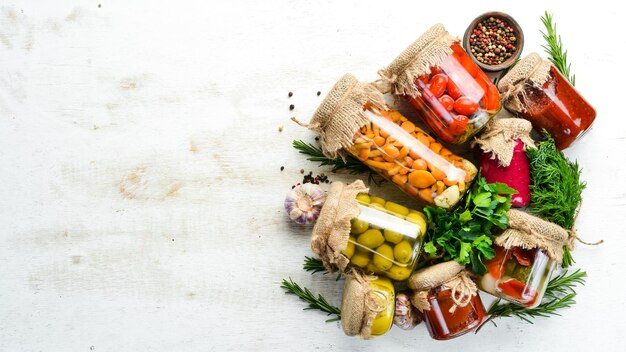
x=533, y=69
x=573, y=236
x=332, y=228
x=340, y=115
x=429, y=50
x=499, y=136
x=449, y=274
x=360, y=304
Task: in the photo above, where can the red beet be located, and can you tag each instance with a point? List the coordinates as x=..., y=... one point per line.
x=516, y=175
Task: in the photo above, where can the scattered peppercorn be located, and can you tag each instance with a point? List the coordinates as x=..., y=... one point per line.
x=282, y=168
x=291, y=107
x=290, y=94
x=493, y=41
x=301, y=171
x=317, y=139
x=318, y=93
x=309, y=178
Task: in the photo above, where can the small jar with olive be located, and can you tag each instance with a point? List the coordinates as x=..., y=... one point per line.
x=364, y=231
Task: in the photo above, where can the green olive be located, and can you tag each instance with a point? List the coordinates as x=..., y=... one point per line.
x=371, y=268
x=360, y=259
x=363, y=198
x=377, y=200
x=393, y=237
x=383, y=257
x=371, y=238
x=403, y=251
x=419, y=219
x=397, y=208
x=358, y=226
x=349, y=250
x=399, y=273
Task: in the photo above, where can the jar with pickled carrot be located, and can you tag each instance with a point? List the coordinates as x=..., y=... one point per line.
x=535, y=90
x=355, y=119
x=453, y=96
x=448, y=299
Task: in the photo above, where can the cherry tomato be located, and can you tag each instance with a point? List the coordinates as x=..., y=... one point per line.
x=468, y=64
x=465, y=106
x=491, y=98
x=423, y=78
x=435, y=70
x=458, y=125
x=438, y=84
x=453, y=90
x=447, y=102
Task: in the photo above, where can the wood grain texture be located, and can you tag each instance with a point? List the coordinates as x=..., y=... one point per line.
x=141, y=199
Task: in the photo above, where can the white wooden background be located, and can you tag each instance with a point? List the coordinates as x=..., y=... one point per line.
x=141, y=197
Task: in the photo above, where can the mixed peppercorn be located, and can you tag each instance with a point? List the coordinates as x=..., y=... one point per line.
x=493, y=41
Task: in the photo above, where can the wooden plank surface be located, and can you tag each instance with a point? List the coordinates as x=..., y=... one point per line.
x=140, y=154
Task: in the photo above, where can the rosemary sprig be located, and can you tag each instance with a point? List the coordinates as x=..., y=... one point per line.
x=554, y=48
x=315, y=154
x=351, y=164
x=559, y=294
x=313, y=264
x=306, y=295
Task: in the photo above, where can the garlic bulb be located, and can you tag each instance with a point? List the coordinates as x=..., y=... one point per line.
x=304, y=203
x=406, y=316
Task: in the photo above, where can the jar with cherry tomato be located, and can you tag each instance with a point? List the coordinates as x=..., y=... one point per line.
x=452, y=95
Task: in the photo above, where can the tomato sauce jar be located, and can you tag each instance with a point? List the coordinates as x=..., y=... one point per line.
x=535, y=90
x=354, y=118
x=453, y=96
x=449, y=300
x=527, y=253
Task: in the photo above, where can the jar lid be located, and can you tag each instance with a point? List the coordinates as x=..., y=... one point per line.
x=429, y=50
x=533, y=68
x=340, y=114
x=434, y=276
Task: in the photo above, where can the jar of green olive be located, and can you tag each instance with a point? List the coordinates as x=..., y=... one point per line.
x=368, y=232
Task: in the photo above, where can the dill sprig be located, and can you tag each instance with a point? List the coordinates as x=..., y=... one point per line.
x=554, y=48
x=351, y=164
x=559, y=295
x=555, y=189
x=306, y=295
x=313, y=264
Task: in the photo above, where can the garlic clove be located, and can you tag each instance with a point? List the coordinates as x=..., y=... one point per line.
x=304, y=203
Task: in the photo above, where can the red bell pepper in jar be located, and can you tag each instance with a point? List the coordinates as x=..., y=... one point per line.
x=503, y=159
x=453, y=96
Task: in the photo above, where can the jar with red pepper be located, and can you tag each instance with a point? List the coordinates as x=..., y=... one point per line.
x=535, y=90
x=527, y=253
x=448, y=299
x=518, y=275
x=453, y=96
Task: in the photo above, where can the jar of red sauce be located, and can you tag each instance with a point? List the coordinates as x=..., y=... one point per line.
x=448, y=299
x=453, y=96
x=535, y=90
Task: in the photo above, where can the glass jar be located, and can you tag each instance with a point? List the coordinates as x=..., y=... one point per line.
x=518, y=275
x=385, y=238
x=384, y=319
x=457, y=98
x=443, y=325
x=403, y=153
x=554, y=105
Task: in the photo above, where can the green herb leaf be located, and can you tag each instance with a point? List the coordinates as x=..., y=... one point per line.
x=466, y=234
x=306, y=295
x=554, y=48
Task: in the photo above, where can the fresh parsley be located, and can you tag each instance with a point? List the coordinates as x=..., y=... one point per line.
x=466, y=234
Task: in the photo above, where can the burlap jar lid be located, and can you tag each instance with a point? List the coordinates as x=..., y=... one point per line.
x=499, y=136
x=332, y=228
x=532, y=69
x=429, y=50
x=360, y=304
x=451, y=274
x=529, y=232
x=340, y=115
